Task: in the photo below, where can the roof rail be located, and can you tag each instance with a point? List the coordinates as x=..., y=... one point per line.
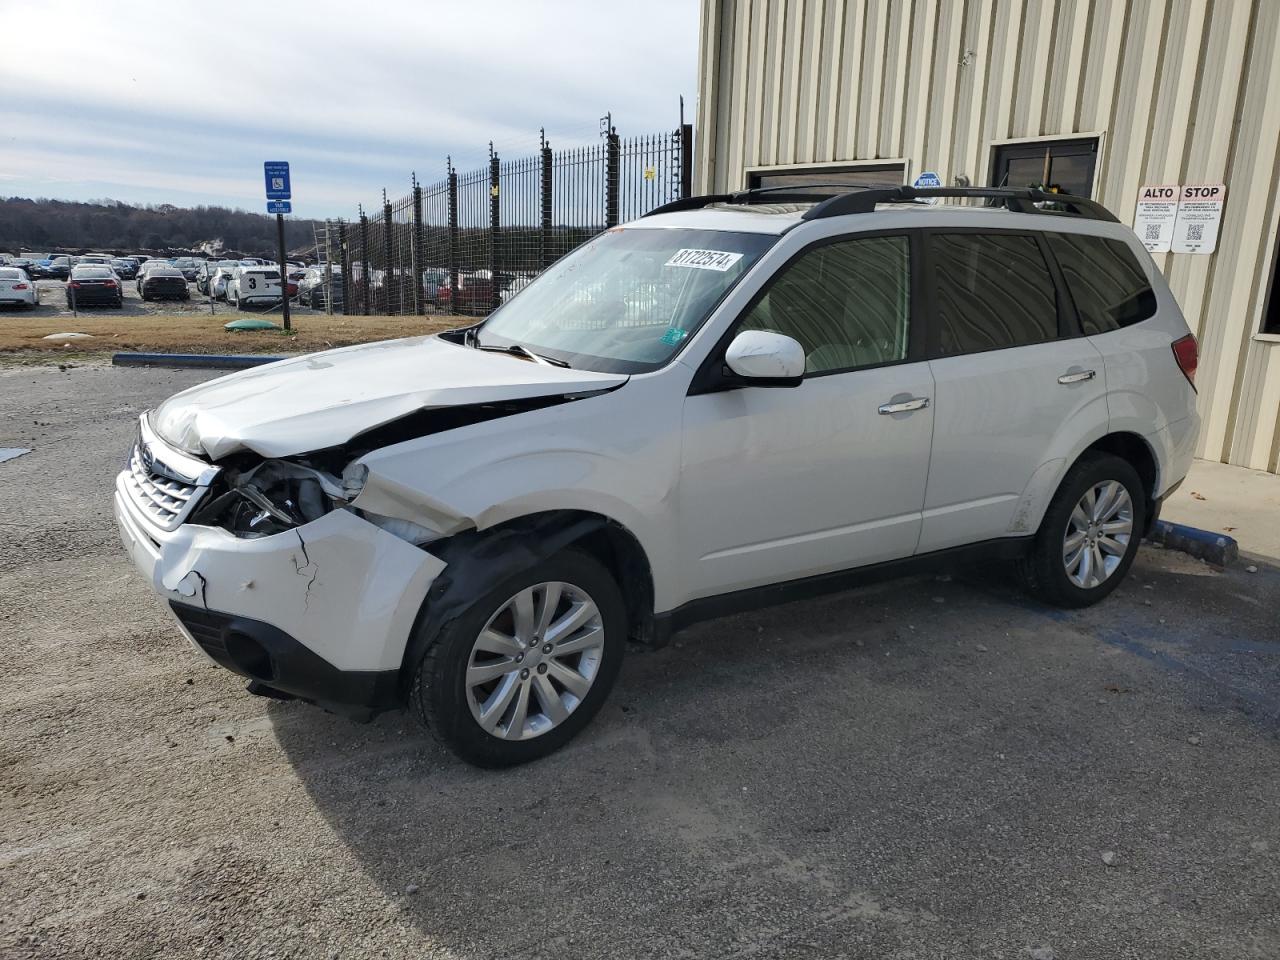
x=1016, y=199
x=860, y=199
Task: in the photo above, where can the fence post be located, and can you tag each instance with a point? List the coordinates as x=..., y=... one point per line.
x=495, y=226
x=453, y=236
x=686, y=160
x=365, y=266
x=419, y=237
x=612, y=177
x=544, y=242
x=389, y=281
x=345, y=253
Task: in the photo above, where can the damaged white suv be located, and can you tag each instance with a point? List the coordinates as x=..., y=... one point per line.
x=726, y=404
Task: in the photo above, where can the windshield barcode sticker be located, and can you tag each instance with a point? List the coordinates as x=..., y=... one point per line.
x=720, y=260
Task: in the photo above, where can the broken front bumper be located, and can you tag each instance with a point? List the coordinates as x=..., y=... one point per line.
x=323, y=611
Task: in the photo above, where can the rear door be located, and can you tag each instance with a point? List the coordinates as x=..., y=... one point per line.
x=1015, y=385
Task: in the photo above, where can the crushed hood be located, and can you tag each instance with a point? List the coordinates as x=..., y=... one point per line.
x=324, y=399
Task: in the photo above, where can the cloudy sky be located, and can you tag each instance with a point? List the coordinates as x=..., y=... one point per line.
x=180, y=102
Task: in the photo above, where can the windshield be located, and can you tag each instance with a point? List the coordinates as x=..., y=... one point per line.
x=626, y=301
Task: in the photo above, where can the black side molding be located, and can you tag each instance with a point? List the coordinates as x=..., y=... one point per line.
x=756, y=598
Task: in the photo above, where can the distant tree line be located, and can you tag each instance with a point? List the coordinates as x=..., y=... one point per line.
x=109, y=226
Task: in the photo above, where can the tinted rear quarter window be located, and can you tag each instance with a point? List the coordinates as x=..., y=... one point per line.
x=1106, y=282
x=991, y=291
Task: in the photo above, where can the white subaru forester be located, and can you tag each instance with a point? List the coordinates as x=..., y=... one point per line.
x=735, y=401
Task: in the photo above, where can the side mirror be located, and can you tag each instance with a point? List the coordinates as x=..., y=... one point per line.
x=766, y=359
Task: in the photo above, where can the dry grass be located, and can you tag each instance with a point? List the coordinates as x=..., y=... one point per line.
x=21, y=337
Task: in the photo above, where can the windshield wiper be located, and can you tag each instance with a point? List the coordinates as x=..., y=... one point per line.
x=520, y=350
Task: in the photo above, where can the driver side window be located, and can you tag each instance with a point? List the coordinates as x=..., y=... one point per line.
x=847, y=303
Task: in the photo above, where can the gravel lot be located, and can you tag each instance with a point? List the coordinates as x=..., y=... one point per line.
x=53, y=303
x=926, y=769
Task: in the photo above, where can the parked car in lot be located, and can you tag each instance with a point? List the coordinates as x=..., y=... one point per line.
x=25, y=264
x=188, y=266
x=124, y=268
x=311, y=288
x=94, y=285
x=17, y=288
x=163, y=283
x=723, y=405
x=254, y=286
x=205, y=275
x=474, y=296
x=433, y=279
x=52, y=267
x=218, y=282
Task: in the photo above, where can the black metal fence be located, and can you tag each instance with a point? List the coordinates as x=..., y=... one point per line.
x=466, y=243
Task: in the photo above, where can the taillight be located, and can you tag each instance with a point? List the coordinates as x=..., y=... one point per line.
x=75, y=284
x=109, y=283
x=19, y=286
x=1187, y=352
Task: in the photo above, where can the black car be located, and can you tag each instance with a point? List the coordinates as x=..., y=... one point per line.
x=189, y=267
x=94, y=286
x=163, y=283
x=126, y=269
x=53, y=268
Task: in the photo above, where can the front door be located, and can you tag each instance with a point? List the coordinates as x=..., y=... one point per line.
x=779, y=483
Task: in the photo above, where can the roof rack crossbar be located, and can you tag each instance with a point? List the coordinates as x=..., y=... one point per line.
x=790, y=193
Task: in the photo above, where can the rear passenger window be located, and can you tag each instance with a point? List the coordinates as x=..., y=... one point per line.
x=1104, y=279
x=992, y=291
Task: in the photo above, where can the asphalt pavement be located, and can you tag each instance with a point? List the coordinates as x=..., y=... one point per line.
x=929, y=768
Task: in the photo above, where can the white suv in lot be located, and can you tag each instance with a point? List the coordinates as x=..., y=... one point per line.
x=251, y=285
x=727, y=404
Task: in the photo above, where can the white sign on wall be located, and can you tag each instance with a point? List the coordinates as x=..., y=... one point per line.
x=1155, y=215
x=1199, y=215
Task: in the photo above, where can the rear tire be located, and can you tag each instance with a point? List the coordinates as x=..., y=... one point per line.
x=446, y=698
x=1089, y=535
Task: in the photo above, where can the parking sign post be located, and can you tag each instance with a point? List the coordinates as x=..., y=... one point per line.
x=276, y=174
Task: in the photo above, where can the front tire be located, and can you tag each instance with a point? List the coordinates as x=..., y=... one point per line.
x=527, y=665
x=1090, y=533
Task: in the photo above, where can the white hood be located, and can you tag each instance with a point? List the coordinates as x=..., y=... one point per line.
x=324, y=399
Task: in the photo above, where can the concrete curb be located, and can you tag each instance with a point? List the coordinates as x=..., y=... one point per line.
x=1216, y=548
x=196, y=361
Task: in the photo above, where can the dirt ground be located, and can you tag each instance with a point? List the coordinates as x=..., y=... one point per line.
x=182, y=327
x=925, y=769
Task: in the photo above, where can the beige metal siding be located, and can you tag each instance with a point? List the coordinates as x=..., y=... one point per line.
x=1179, y=91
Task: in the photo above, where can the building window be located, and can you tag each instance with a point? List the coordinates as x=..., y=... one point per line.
x=1066, y=166
x=834, y=176
x=1271, y=306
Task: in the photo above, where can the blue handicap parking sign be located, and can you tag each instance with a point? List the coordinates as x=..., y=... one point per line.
x=276, y=173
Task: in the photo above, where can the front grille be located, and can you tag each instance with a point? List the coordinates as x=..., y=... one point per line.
x=165, y=500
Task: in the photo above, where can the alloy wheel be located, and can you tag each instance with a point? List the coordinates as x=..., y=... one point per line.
x=535, y=660
x=1098, y=534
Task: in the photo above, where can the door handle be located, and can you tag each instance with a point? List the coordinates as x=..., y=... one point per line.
x=904, y=406
x=1078, y=377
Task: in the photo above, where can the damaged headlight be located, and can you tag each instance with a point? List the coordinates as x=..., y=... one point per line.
x=278, y=495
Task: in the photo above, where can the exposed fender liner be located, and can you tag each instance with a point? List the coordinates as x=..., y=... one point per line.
x=477, y=560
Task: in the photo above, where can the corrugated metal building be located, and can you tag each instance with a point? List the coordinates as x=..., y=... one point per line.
x=1099, y=97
